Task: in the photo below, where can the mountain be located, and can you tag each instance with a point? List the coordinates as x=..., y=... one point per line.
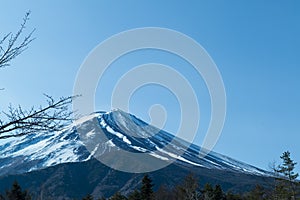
x=75, y=180
x=43, y=159
x=123, y=132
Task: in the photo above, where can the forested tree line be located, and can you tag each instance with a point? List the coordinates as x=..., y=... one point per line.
x=285, y=187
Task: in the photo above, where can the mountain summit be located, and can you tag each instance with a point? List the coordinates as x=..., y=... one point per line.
x=120, y=132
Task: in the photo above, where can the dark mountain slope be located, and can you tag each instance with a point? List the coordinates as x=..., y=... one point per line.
x=75, y=180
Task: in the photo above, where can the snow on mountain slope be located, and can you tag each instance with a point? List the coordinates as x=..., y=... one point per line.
x=124, y=131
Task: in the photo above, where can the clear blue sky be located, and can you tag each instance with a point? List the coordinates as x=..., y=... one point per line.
x=255, y=44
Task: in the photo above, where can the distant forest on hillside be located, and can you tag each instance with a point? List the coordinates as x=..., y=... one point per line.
x=284, y=187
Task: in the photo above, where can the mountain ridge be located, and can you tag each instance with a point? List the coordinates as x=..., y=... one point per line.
x=53, y=164
x=123, y=131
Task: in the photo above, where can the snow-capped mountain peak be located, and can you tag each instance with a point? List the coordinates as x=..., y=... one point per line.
x=123, y=132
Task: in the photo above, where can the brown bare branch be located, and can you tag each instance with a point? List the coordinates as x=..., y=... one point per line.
x=52, y=117
x=12, y=49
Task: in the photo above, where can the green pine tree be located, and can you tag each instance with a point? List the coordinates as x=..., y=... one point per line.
x=257, y=193
x=218, y=193
x=135, y=195
x=189, y=189
x=16, y=193
x=208, y=192
x=147, y=189
x=165, y=193
x=286, y=184
x=118, y=196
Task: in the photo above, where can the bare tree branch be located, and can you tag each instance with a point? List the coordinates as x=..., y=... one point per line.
x=52, y=117
x=18, y=121
x=11, y=50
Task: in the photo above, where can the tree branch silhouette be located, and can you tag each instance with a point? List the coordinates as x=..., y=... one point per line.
x=9, y=46
x=19, y=121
